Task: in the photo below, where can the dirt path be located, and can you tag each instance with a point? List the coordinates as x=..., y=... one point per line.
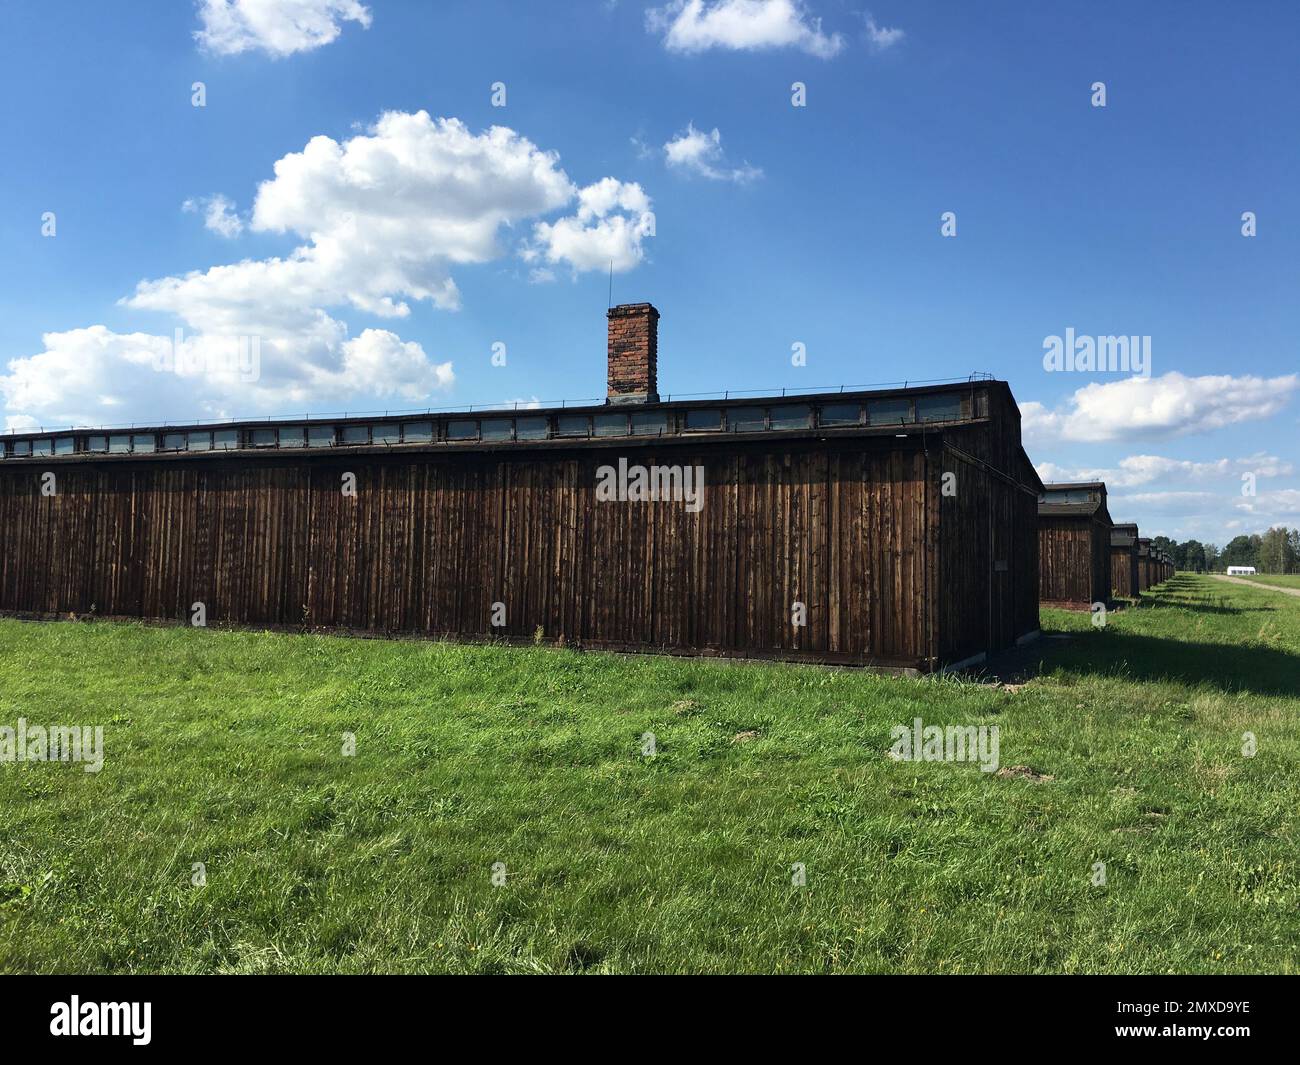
x=1254, y=584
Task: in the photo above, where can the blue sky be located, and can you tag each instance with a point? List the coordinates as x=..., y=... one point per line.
x=423, y=240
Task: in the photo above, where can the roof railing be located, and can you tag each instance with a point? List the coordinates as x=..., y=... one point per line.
x=515, y=406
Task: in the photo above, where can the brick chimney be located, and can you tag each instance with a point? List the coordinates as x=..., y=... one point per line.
x=633, y=353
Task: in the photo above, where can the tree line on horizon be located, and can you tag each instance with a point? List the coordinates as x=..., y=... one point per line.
x=1276, y=551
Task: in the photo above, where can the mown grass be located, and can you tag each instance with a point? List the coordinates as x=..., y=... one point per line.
x=225, y=748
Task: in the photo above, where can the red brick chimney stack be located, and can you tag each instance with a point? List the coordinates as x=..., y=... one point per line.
x=633, y=353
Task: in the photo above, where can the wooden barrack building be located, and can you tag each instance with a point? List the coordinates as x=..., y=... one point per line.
x=889, y=527
x=1074, y=545
x=1145, y=564
x=1124, y=560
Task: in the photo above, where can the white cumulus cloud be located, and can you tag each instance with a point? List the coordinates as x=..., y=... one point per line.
x=1269, y=506
x=277, y=27
x=612, y=222
x=693, y=26
x=94, y=376
x=84, y=377
x=1165, y=406
x=1135, y=470
x=1182, y=503
x=387, y=214
x=697, y=152
x=391, y=366
x=882, y=37
x=381, y=219
x=219, y=215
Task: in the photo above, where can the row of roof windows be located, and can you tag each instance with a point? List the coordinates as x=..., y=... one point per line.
x=612, y=423
x=1068, y=495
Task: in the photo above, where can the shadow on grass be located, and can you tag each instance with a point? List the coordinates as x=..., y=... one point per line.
x=1230, y=668
x=1170, y=603
x=1181, y=593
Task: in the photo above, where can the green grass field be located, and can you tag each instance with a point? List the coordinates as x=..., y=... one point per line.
x=1278, y=580
x=226, y=748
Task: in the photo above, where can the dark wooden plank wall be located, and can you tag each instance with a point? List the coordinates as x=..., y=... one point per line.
x=1101, y=531
x=1156, y=571
x=1124, y=571
x=431, y=541
x=983, y=606
x=1074, y=562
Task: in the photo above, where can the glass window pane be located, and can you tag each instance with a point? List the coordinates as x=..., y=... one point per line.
x=531, y=429
x=746, y=420
x=462, y=430
x=43, y=447
x=791, y=417
x=417, y=432
x=572, y=425
x=498, y=428
x=22, y=448
x=703, y=420
x=355, y=434
x=1066, y=495
x=119, y=444
x=225, y=440
x=386, y=433
x=610, y=424
x=320, y=435
x=173, y=441
x=889, y=411
x=200, y=440
x=96, y=443
x=65, y=445
x=649, y=423
x=263, y=438
x=292, y=436
x=840, y=414
x=941, y=408
x=144, y=442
